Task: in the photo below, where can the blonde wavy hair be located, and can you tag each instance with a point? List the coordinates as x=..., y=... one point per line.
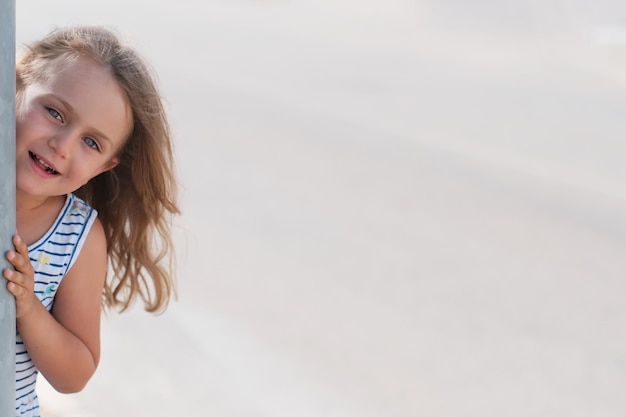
x=137, y=199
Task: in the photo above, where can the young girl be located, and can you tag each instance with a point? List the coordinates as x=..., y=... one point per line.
x=92, y=139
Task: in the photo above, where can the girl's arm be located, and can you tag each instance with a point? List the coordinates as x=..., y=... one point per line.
x=63, y=344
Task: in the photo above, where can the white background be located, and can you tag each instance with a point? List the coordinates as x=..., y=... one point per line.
x=391, y=208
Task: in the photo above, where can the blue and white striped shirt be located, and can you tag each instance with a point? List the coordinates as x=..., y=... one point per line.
x=51, y=256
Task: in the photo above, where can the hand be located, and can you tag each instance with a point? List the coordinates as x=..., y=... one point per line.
x=21, y=280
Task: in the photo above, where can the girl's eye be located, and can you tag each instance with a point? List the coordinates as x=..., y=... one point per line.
x=54, y=113
x=91, y=143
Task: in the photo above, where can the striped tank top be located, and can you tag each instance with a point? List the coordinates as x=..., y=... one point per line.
x=51, y=256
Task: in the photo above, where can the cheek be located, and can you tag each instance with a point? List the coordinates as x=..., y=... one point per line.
x=91, y=166
x=24, y=122
x=23, y=110
x=21, y=133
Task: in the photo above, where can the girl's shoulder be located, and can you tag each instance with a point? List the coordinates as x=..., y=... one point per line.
x=69, y=231
x=77, y=209
x=57, y=251
x=74, y=214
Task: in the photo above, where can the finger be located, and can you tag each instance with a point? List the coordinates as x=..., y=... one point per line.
x=20, y=293
x=21, y=258
x=14, y=289
x=14, y=284
x=20, y=245
x=17, y=285
x=20, y=262
x=13, y=276
x=10, y=255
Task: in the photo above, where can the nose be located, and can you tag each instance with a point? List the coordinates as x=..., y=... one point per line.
x=63, y=144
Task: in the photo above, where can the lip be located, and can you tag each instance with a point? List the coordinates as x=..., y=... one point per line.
x=40, y=169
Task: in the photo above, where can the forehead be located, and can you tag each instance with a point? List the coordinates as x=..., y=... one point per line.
x=96, y=99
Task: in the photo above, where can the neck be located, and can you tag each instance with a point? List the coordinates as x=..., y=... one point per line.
x=35, y=214
x=26, y=203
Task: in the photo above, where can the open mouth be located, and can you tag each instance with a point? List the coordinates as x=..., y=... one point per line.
x=43, y=165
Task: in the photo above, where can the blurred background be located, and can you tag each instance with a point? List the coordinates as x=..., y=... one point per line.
x=393, y=208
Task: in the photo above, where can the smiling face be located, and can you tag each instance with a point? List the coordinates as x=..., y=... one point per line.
x=69, y=128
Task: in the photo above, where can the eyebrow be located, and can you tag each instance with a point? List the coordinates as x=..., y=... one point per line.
x=71, y=109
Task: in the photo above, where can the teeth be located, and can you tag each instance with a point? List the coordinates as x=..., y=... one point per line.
x=42, y=163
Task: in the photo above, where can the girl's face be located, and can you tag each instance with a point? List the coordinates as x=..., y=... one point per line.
x=69, y=128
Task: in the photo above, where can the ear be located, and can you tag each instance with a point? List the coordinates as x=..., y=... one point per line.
x=110, y=165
